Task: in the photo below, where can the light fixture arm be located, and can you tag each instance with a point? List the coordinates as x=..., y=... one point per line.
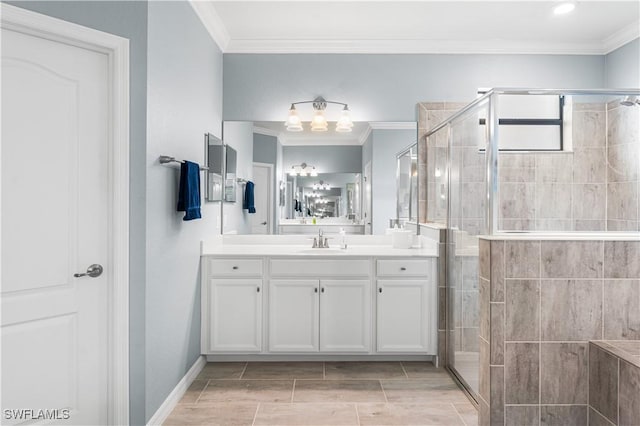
x=320, y=103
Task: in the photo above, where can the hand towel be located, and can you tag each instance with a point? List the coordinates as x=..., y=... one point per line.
x=189, y=190
x=248, y=201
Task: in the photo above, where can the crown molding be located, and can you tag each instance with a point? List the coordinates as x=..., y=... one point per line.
x=212, y=22
x=393, y=125
x=263, y=46
x=267, y=132
x=365, y=135
x=621, y=37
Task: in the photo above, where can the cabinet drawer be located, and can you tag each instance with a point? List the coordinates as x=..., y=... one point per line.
x=319, y=268
x=399, y=268
x=235, y=267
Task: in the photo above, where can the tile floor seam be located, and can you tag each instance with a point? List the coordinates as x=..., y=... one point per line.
x=458, y=413
x=357, y=414
x=255, y=415
x=404, y=370
x=383, y=392
x=246, y=364
x=293, y=390
x=201, y=392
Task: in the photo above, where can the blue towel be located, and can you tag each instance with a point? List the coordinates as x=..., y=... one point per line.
x=189, y=192
x=248, y=201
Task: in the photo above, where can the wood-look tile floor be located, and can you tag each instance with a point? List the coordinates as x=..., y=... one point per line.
x=323, y=393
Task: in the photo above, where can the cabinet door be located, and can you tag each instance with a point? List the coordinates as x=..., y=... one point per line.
x=403, y=321
x=293, y=315
x=235, y=309
x=345, y=315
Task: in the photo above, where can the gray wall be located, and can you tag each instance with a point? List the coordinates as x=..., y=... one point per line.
x=184, y=102
x=266, y=150
x=127, y=19
x=386, y=144
x=326, y=159
x=388, y=87
x=622, y=66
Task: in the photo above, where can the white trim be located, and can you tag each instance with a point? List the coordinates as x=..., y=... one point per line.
x=176, y=394
x=621, y=37
x=365, y=135
x=316, y=357
x=393, y=125
x=267, y=132
x=414, y=46
x=117, y=50
x=212, y=22
x=270, y=198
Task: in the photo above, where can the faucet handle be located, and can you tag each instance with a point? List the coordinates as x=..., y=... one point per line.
x=315, y=243
x=326, y=242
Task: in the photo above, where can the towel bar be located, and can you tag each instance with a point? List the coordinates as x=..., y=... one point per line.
x=165, y=159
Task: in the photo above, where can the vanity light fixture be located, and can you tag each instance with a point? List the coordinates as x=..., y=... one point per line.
x=321, y=186
x=319, y=121
x=564, y=8
x=303, y=169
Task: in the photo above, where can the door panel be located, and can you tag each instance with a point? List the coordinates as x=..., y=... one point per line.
x=236, y=315
x=402, y=317
x=293, y=315
x=55, y=129
x=345, y=315
x=260, y=223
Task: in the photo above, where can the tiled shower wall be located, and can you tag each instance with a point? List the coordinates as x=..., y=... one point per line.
x=593, y=187
x=541, y=302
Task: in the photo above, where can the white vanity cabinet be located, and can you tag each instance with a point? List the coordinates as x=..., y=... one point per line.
x=310, y=314
x=405, y=316
x=232, y=305
x=290, y=306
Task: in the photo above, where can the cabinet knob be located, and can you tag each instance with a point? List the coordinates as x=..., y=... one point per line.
x=234, y=268
x=380, y=290
x=322, y=289
x=258, y=289
x=315, y=290
x=403, y=268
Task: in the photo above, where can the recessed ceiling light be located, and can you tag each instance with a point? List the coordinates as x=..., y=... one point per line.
x=564, y=8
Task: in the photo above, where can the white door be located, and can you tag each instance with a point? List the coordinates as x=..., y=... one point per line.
x=293, y=315
x=345, y=315
x=236, y=315
x=366, y=199
x=261, y=219
x=55, y=128
x=403, y=320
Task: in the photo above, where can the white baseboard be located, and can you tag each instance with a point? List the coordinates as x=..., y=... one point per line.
x=176, y=394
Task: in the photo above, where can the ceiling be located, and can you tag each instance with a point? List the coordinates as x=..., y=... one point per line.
x=301, y=26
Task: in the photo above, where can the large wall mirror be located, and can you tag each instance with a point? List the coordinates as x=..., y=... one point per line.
x=308, y=180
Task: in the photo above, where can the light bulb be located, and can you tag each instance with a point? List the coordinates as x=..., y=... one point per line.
x=293, y=122
x=313, y=173
x=319, y=122
x=344, y=124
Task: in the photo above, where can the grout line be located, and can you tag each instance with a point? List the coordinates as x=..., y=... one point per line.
x=324, y=370
x=618, y=395
x=540, y=336
x=458, y=413
x=403, y=370
x=386, y=400
x=601, y=415
x=255, y=415
x=246, y=364
x=357, y=413
x=293, y=390
x=202, y=391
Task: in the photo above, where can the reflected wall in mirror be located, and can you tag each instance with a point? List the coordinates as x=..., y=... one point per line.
x=230, y=174
x=336, y=159
x=407, y=185
x=214, y=160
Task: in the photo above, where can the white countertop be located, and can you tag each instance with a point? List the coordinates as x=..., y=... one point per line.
x=236, y=250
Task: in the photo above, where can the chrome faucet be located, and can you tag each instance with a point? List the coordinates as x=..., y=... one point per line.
x=320, y=241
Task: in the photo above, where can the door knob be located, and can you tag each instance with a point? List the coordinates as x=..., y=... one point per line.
x=93, y=271
x=263, y=223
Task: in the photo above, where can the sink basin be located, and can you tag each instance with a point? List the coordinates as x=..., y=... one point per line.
x=321, y=251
